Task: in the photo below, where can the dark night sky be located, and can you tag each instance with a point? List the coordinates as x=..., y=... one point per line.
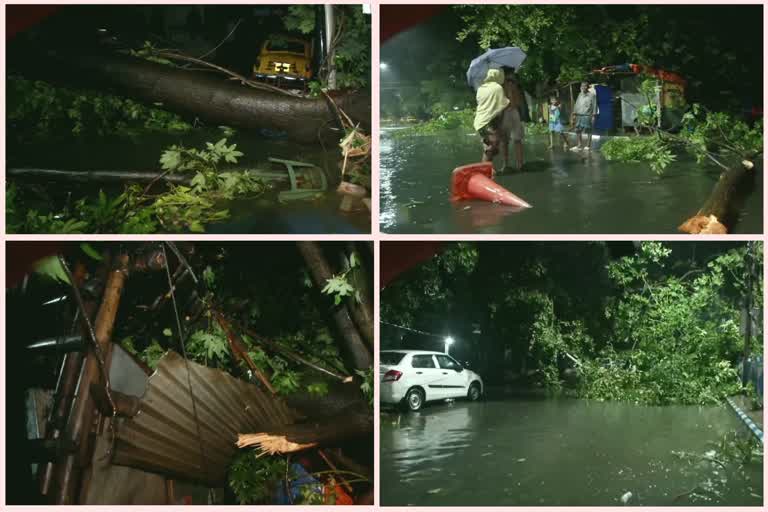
x=193, y=29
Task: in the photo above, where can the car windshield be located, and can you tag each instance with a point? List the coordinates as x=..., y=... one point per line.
x=391, y=358
x=285, y=45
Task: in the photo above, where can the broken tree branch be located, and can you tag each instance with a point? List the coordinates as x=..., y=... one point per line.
x=295, y=438
x=719, y=213
x=240, y=351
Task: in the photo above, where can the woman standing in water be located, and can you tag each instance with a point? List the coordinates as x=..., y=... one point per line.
x=491, y=103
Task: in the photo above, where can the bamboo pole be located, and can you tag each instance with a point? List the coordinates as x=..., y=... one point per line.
x=68, y=474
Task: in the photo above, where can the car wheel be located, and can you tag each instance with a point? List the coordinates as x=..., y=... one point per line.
x=414, y=399
x=474, y=392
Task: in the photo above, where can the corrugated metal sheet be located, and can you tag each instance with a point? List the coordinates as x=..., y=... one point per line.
x=163, y=437
x=109, y=484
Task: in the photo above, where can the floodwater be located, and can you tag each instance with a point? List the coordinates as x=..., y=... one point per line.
x=560, y=452
x=249, y=215
x=570, y=192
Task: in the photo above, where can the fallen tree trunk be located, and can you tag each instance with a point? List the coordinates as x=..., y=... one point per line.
x=209, y=98
x=295, y=438
x=720, y=211
x=100, y=176
x=321, y=272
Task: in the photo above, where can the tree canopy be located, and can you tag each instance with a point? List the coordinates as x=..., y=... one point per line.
x=651, y=322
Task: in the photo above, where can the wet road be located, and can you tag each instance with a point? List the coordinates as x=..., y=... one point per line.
x=563, y=452
x=570, y=192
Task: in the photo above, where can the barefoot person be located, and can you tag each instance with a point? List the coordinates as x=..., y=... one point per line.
x=512, y=124
x=491, y=103
x=584, y=114
x=555, y=125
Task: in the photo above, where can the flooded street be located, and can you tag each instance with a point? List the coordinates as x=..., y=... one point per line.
x=248, y=215
x=570, y=192
x=563, y=452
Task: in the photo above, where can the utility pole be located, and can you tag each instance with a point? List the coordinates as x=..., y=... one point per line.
x=330, y=31
x=749, y=258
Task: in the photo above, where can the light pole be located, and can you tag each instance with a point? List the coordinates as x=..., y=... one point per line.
x=448, y=342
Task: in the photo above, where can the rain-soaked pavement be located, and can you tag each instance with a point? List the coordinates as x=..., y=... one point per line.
x=570, y=192
x=561, y=452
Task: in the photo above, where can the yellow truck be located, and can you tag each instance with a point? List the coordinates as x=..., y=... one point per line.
x=284, y=59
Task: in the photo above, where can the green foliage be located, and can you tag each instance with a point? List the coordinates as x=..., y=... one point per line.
x=151, y=354
x=553, y=38
x=318, y=388
x=51, y=268
x=676, y=339
x=452, y=120
x=209, y=277
x=149, y=52
x=353, y=50
x=300, y=18
x=651, y=328
x=179, y=208
x=338, y=285
x=253, y=479
x=37, y=109
x=352, y=57
x=366, y=386
x=716, y=132
x=536, y=128
x=208, y=347
x=430, y=284
x=706, y=135
x=90, y=251
x=651, y=150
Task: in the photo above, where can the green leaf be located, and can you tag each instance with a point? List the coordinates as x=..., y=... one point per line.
x=51, y=267
x=170, y=159
x=167, y=332
x=90, y=251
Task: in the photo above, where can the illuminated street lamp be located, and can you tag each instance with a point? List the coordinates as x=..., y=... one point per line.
x=448, y=342
x=383, y=66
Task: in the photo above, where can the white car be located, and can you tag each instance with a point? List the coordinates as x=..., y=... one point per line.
x=415, y=377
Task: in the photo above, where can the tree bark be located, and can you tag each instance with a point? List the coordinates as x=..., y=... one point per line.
x=321, y=272
x=101, y=176
x=362, y=312
x=720, y=212
x=209, y=98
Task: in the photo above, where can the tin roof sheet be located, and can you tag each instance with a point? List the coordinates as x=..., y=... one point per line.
x=163, y=436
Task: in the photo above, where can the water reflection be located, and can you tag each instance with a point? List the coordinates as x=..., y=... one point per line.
x=560, y=452
x=571, y=192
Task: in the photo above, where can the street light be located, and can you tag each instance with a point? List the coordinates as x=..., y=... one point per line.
x=383, y=66
x=448, y=342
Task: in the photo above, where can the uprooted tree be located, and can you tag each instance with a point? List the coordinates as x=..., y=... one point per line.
x=273, y=335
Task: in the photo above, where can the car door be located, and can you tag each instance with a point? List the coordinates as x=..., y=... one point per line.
x=427, y=375
x=454, y=377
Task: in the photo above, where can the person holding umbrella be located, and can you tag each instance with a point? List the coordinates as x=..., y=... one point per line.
x=485, y=76
x=491, y=104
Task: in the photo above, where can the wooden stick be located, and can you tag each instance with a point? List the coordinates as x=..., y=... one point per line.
x=336, y=470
